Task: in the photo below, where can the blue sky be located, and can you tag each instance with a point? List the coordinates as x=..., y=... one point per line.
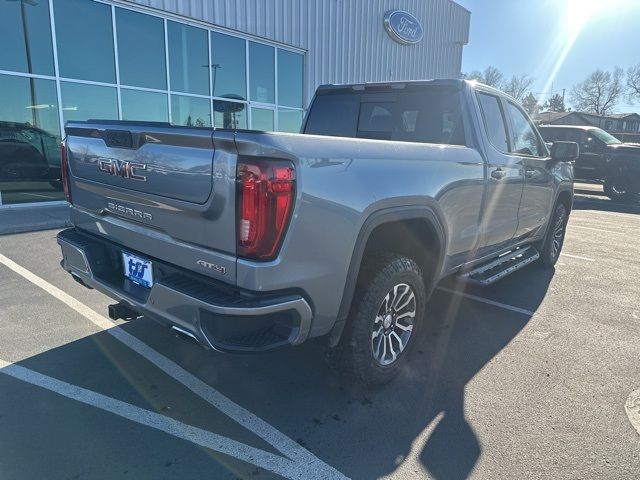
x=539, y=37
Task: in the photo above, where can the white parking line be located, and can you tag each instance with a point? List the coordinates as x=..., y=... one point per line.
x=578, y=257
x=571, y=225
x=268, y=461
x=285, y=445
x=487, y=301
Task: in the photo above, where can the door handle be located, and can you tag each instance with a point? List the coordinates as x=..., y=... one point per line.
x=498, y=174
x=529, y=172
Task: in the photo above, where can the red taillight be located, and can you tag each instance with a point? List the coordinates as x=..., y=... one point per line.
x=266, y=193
x=64, y=172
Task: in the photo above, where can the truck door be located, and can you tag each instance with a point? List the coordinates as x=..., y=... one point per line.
x=591, y=164
x=537, y=198
x=505, y=179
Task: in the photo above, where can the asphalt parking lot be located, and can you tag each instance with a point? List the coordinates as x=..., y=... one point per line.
x=537, y=376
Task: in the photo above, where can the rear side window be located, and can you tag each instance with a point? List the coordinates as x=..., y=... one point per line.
x=524, y=140
x=578, y=136
x=494, y=121
x=423, y=114
x=562, y=134
x=549, y=134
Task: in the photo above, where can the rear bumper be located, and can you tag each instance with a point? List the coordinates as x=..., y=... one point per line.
x=217, y=316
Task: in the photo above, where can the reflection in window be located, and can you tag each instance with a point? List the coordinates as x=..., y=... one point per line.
x=84, y=102
x=493, y=121
x=262, y=119
x=289, y=120
x=144, y=106
x=262, y=73
x=84, y=39
x=30, y=101
x=190, y=111
x=376, y=117
x=29, y=140
x=25, y=36
x=188, y=58
x=229, y=114
x=523, y=137
x=228, y=66
x=141, y=57
x=289, y=79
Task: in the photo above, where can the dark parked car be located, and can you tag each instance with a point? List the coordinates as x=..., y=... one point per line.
x=602, y=158
x=28, y=153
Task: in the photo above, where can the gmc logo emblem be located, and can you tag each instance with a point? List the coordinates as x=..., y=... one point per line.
x=122, y=169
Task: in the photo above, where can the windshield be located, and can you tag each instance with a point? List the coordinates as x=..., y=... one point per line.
x=604, y=136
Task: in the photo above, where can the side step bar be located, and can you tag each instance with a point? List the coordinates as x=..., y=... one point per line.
x=501, y=267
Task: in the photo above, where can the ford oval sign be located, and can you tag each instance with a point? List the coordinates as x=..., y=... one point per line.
x=403, y=27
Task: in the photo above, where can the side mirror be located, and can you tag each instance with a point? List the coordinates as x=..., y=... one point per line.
x=564, y=151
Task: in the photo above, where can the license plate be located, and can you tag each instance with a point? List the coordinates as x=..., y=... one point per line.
x=138, y=270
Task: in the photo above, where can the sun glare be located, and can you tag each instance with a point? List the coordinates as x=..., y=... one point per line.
x=576, y=15
x=579, y=12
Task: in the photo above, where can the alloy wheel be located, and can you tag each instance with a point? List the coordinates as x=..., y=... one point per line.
x=393, y=325
x=558, y=235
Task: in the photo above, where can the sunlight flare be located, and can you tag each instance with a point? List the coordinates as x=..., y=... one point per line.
x=576, y=16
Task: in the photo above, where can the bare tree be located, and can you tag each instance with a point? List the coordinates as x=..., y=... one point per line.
x=518, y=86
x=633, y=82
x=489, y=76
x=599, y=93
x=530, y=104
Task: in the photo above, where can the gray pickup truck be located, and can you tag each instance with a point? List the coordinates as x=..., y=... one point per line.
x=248, y=241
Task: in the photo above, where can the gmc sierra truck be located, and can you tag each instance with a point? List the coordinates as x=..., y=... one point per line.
x=248, y=241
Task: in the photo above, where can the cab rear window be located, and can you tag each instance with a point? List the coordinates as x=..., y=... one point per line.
x=425, y=115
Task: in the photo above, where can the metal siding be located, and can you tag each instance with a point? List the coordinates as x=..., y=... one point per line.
x=345, y=40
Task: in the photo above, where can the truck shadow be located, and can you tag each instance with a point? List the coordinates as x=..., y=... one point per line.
x=419, y=418
x=603, y=204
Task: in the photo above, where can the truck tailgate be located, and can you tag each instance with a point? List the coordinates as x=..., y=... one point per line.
x=163, y=190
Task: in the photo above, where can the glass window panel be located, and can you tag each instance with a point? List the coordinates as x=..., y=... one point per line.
x=494, y=121
x=262, y=72
x=228, y=66
x=289, y=120
x=29, y=140
x=290, y=79
x=523, y=135
x=144, y=106
x=188, y=54
x=84, y=37
x=229, y=114
x=141, y=56
x=334, y=115
x=84, y=102
x=262, y=119
x=29, y=100
x=25, y=36
x=190, y=111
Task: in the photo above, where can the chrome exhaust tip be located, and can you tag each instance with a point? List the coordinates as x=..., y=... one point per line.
x=185, y=335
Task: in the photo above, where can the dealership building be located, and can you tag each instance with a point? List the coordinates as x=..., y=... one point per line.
x=222, y=63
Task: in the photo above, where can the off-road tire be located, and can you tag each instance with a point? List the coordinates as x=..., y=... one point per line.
x=354, y=356
x=615, y=187
x=549, y=253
